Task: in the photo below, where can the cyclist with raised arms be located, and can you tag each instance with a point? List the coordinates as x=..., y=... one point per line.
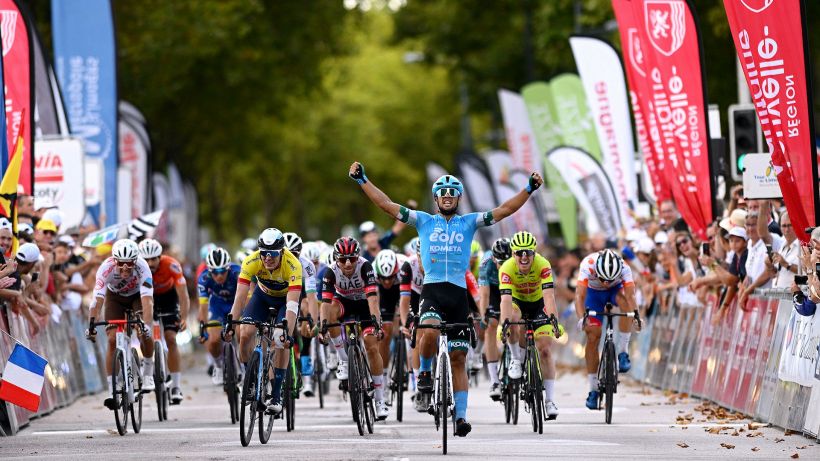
x=445, y=239
x=124, y=285
x=527, y=291
x=217, y=290
x=278, y=277
x=308, y=305
x=603, y=278
x=490, y=305
x=349, y=292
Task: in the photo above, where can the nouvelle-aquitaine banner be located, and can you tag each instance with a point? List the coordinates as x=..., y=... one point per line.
x=602, y=75
x=770, y=41
x=544, y=118
x=86, y=63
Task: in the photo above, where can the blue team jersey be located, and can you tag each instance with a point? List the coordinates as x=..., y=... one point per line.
x=223, y=292
x=488, y=271
x=445, y=245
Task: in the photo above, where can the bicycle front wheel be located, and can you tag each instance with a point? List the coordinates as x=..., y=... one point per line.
x=265, y=420
x=444, y=400
x=536, y=393
x=290, y=390
x=159, y=381
x=230, y=378
x=136, y=384
x=399, y=376
x=355, y=389
x=611, y=380
x=247, y=411
x=120, y=392
x=319, y=374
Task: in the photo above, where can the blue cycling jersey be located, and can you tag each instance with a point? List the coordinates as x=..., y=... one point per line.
x=445, y=245
x=488, y=271
x=225, y=292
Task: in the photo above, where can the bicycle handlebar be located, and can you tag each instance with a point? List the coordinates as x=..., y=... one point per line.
x=609, y=314
x=443, y=326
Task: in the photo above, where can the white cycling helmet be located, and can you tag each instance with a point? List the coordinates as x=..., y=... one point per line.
x=311, y=251
x=293, y=242
x=125, y=250
x=411, y=246
x=240, y=255
x=150, y=248
x=218, y=258
x=327, y=257
x=248, y=244
x=608, y=265
x=271, y=239
x=386, y=263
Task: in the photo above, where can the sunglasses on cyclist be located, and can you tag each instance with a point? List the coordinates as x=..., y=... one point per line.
x=126, y=263
x=269, y=253
x=347, y=259
x=220, y=271
x=521, y=253
x=384, y=279
x=448, y=192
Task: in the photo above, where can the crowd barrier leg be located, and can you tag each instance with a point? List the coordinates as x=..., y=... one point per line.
x=704, y=354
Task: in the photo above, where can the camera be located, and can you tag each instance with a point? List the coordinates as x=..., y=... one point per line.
x=769, y=250
x=35, y=276
x=801, y=279
x=704, y=249
x=816, y=268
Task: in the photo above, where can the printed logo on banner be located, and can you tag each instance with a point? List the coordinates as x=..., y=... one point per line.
x=636, y=56
x=756, y=6
x=8, y=25
x=48, y=168
x=665, y=25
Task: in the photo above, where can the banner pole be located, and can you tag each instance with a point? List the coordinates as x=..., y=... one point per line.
x=809, y=93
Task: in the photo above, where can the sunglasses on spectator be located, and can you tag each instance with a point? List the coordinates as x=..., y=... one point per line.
x=126, y=263
x=269, y=253
x=219, y=271
x=447, y=192
x=682, y=242
x=51, y=233
x=347, y=259
x=521, y=253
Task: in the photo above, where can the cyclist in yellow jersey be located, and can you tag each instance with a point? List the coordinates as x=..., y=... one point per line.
x=278, y=277
x=526, y=285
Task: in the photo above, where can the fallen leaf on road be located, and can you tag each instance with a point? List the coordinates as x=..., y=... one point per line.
x=89, y=436
x=755, y=449
x=755, y=434
x=803, y=447
x=727, y=446
x=795, y=456
x=735, y=434
x=685, y=427
x=789, y=432
x=683, y=445
x=756, y=426
x=112, y=432
x=778, y=440
x=653, y=430
x=742, y=430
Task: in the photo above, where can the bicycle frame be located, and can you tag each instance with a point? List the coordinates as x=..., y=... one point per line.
x=444, y=355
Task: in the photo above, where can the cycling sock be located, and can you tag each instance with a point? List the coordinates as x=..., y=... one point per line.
x=148, y=367
x=492, y=368
x=110, y=387
x=515, y=351
x=415, y=377
x=378, y=387
x=549, y=389
x=340, y=347
x=593, y=381
x=624, y=341
x=407, y=343
x=211, y=359
x=460, y=400
x=278, y=377
x=175, y=377
x=307, y=365
x=479, y=345
x=426, y=363
x=384, y=375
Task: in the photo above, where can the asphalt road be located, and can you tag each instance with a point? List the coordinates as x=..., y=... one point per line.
x=647, y=424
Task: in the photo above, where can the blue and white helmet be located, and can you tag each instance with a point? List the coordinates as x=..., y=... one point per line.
x=448, y=182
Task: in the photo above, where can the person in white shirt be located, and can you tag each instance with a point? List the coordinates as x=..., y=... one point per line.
x=759, y=253
x=785, y=263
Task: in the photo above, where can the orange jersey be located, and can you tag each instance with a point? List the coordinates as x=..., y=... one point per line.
x=168, y=274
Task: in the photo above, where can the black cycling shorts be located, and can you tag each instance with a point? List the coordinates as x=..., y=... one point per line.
x=531, y=310
x=447, y=302
x=167, y=304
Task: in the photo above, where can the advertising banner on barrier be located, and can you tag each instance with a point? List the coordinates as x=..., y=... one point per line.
x=544, y=118
x=591, y=187
x=771, y=44
x=675, y=72
x=525, y=156
x=799, y=353
x=640, y=97
x=134, y=159
x=602, y=75
x=86, y=63
x=59, y=175
x=17, y=73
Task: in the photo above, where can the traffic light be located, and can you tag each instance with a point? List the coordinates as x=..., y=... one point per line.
x=745, y=137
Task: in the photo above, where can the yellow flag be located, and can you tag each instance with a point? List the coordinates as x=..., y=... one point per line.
x=8, y=190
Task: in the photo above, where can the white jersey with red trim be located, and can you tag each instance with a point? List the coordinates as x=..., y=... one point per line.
x=588, y=277
x=108, y=277
x=360, y=284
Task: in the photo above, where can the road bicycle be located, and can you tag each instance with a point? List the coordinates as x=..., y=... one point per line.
x=162, y=376
x=510, y=388
x=231, y=370
x=126, y=376
x=359, y=381
x=608, y=365
x=256, y=389
x=398, y=374
x=442, y=403
x=293, y=383
x=532, y=384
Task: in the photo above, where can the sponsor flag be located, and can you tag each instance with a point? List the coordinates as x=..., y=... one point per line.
x=4, y=139
x=646, y=127
x=135, y=155
x=591, y=186
x=59, y=173
x=577, y=127
x=674, y=68
x=23, y=378
x=49, y=113
x=85, y=60
x=8, y=189
x=770, y=39
x=603, y=78
x=544, y=118
x=526, y=158
x=17, y=76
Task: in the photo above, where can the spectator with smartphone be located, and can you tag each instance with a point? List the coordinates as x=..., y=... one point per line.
x=810, y=259
x=759, y=253
x=785, y=263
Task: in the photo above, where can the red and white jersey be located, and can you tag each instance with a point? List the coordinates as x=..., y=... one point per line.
x=108, y=277
x=360, y=284
x=589, y=278
x=411, y=275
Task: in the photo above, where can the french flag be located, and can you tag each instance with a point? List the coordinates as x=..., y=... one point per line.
x=23, y=378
